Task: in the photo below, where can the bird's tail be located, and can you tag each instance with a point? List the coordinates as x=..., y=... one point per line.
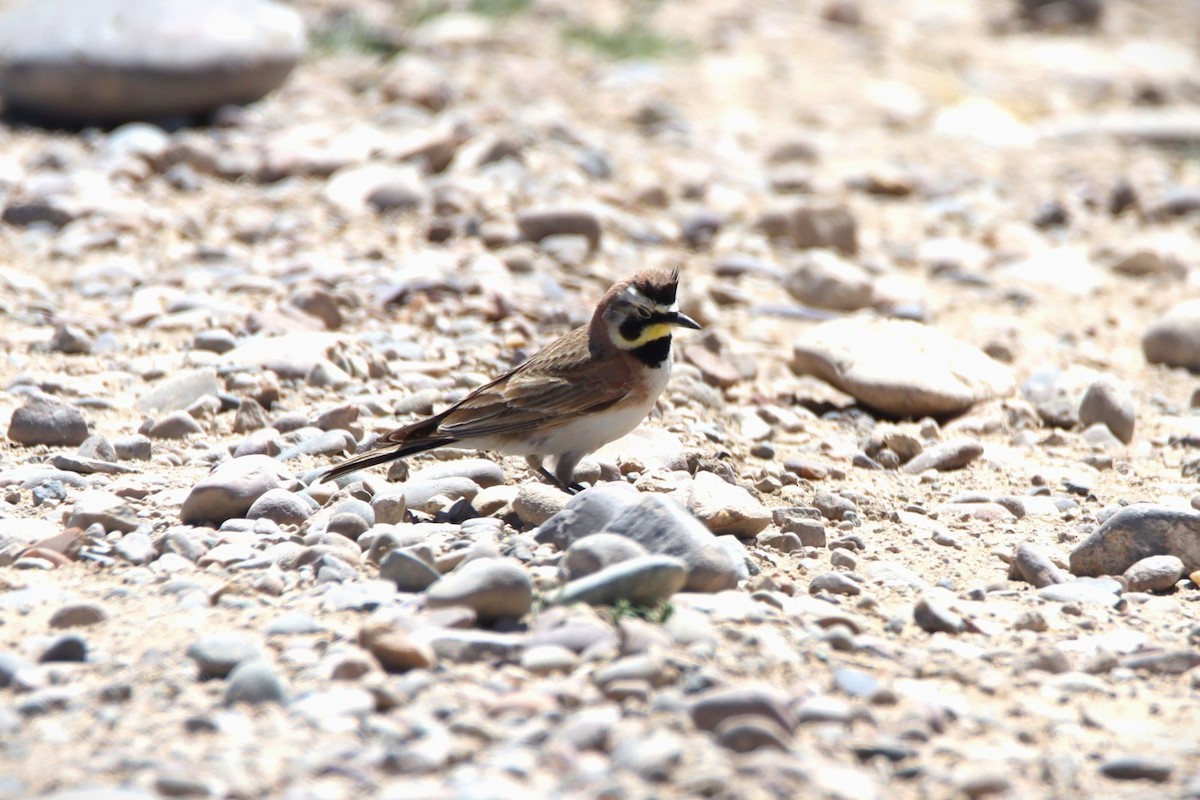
x=373, y=457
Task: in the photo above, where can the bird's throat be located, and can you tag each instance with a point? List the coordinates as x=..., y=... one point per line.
x=654, y=352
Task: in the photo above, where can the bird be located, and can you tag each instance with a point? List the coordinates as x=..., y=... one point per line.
x=587, y=388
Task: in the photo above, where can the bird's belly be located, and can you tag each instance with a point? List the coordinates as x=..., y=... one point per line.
x=590, y=433
x=582, y=435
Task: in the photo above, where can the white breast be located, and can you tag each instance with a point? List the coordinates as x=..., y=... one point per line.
x=586, y=434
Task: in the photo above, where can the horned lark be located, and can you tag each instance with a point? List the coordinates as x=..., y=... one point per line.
x=586, y=389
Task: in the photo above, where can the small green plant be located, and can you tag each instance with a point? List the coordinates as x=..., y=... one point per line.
x=498, y=9
x=634, y=38
x=348, y=32
x=658, y=614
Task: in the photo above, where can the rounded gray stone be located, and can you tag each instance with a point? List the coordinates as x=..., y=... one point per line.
x=1136, y=532
x=179, y=391
x=78, y=615
x=110, y=61
x=586, y=513
x=176, y=425
x=492, y=587
x=834, y=583
x=664, y=527
x=482, y=471
x=900, y=367
x=823, y=279
x=409, y=572
x=1108, y=401
x=1138, y=767
x=1153, y=574
x=716, y=706
x=643, y=581
x=597, y=551
x=45, y=420
x=280, y=506
x=1174, y=340
x=255, y=683
x=68, y=648
x=231, y=489
x=417, y=494
x=536, y=503
x=217, y=654
x=933, y=617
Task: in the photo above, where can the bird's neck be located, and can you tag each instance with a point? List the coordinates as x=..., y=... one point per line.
x=653, y=353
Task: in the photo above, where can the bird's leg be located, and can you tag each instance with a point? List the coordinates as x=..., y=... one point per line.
x=564, y=472
x=535, y=464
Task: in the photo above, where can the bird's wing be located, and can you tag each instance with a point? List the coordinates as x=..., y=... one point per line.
x=553, y=387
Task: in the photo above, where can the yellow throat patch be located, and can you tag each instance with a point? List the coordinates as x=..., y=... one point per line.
x=649, y=333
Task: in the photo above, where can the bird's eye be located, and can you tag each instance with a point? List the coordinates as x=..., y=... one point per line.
x=643, y=313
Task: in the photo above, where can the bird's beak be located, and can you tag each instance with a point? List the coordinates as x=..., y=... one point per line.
x=684, y=321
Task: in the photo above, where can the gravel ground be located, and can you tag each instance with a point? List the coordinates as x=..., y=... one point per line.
x=916, y=517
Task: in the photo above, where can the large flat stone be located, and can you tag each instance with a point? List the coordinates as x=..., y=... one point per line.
x=111, y=61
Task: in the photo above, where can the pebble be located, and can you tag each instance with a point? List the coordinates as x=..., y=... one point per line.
x=215, y=340
x=1153, y=574
x=900, y=367
x=409, y=572
x=180, y=391
x=1136, y=532
x=748, y=734
x=1169, y=662
x=535, y=503
x=422, y=495
x=142, y=68
x=664, y=527
x=493, y=588
x=1108, y=401
x=586, y=513
x=133, y=448
x=255, y=682
x=44, y=420
x=98, y=507
x=1137, y=768
x=643, y=581
x=394, y=649
x=231, y=489
x=804, y=523
x=68, y=648
x=710, y=709
x=281, y=507
x=1058, y=393
x=70, y=340
x=1100, y=591
x=1174, y=339
x=176, y=425
x=654, y=757
x=725, y=508
x=593, y=553
x=855, y=683
x=482, y=471
x=823, y=279
x=824, y=225
x=473, y=646
x=1035, y=567
x=951, y=455
x=293, y=623
x=932, y=617
x=78, y=615
x=834, y=583
x=549, y=658
x=217, y=654
x=136, y=548
x=537, y=224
